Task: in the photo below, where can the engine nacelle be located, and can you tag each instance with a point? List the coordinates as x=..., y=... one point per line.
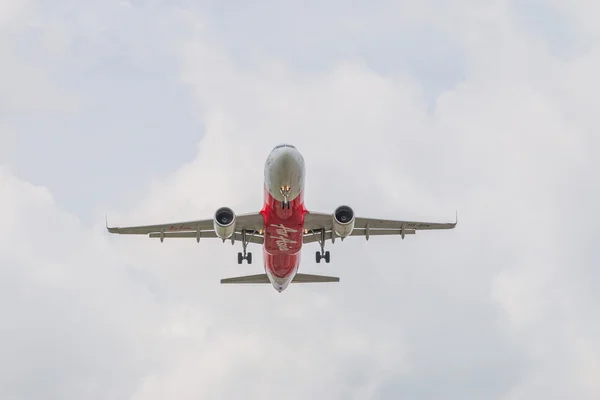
x=224, y=222
x=343, y=221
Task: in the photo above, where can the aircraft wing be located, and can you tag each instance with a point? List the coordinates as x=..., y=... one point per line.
x=315, y=222
x=203, y=228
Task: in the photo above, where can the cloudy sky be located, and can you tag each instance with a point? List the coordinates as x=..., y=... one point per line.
x=158, y=111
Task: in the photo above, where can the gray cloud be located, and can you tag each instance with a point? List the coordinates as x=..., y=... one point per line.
x=503, y=307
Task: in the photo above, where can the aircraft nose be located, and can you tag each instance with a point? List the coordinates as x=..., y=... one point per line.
x=285, y=160
x=286, y=154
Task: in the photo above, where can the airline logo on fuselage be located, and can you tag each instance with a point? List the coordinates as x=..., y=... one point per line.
x=282, y=240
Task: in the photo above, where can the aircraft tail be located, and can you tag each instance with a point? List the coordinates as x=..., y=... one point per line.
x=307, y=278
x=263, y=278
x=260, y=278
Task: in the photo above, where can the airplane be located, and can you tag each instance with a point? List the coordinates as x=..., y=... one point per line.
x=282, y=226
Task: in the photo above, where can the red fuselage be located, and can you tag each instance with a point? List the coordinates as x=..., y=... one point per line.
x=283, y=226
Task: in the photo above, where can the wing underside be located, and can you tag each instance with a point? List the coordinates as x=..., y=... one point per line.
x=252, y=224
x=319, y=226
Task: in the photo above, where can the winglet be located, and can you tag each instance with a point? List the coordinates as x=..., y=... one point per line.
x=111, y=230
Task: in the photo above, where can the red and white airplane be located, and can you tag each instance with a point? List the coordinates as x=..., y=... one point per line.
x=283, y=225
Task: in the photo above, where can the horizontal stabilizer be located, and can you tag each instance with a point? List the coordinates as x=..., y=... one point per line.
x=263, y=278
x=260, y=278
x=306, y=278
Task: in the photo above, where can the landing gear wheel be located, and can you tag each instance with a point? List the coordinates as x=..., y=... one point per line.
x=240, y=258
x=249, y=258
x=318, y=256
x=327, y=258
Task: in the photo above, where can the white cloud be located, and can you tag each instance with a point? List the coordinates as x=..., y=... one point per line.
x=63, y=321
x=11, y=11
x=495, y=309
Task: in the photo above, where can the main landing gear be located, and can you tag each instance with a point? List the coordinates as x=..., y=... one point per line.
x=319, y=255
x=322, y=254
x=244, y=256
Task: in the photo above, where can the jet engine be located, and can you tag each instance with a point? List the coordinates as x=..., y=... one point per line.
x=224, y=222
x=343, y=221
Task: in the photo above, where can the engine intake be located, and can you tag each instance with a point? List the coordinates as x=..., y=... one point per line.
x=343, y=221
x=224, y=222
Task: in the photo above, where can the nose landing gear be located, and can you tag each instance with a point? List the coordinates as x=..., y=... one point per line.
x=285, y=192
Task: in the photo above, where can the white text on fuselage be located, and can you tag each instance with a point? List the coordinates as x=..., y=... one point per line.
x=282, y=240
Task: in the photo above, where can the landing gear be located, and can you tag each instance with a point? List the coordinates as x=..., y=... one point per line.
x=285, y=192
x=247, y=257
x=325, y=256
x=244, y=256
x=322, y=254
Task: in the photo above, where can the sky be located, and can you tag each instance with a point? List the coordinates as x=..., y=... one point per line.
x=158, y=111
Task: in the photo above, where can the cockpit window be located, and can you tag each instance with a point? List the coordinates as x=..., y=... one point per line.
x=284, y=145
